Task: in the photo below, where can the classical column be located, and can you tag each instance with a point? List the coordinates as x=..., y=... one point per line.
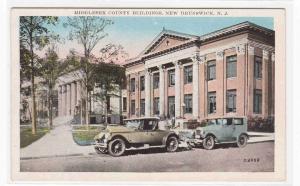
x=272, y=88
x=161, y=91
x=221, y=83
x=68, y=99
x=265, y=83
x=177, y=90
x=195, y=87
x=63, y=100
x=147, y=93
x=250, y=78
x=78, y=92
x=241, y=96
x=73, y=98
x=128, y=96
x=59, y=100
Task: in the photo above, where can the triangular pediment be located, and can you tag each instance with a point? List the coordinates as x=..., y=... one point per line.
x=167, y=39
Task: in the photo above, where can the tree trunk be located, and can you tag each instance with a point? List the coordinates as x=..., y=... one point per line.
x=120, y=103
x=106, y=110
x=50, y=119
x=86, y=106
x=33, y=128
x=81, y=113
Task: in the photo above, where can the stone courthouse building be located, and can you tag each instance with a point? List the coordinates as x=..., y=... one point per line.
x=228, y=72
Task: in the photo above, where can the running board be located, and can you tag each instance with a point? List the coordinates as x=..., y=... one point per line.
x=145, y=147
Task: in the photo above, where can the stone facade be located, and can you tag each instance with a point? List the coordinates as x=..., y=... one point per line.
x=229, y=72
x=71, y=91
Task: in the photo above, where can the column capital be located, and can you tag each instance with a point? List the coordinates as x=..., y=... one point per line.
x=177, y=64
x=273, y=57
x=240, y=49
x=161, y=67
x=250, y=50
x=265, y=54
x=220, y=54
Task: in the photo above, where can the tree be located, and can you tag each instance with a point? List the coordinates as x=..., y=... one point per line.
x=34, y=34
x=51, y=70
x=110, y=78
x=88, y=31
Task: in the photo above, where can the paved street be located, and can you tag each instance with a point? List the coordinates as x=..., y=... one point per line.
x=254, y=157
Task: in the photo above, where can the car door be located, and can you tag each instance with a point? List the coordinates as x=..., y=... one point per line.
x=139, y=135
x=228, y=130
x=155, y=135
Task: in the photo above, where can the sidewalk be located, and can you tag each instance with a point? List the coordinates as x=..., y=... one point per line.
x=255, y=137
x=58, y=142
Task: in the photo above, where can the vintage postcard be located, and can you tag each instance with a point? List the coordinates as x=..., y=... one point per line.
x=148, y=94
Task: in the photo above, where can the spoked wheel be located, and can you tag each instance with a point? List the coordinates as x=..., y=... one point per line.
x=209, y=142
x=100, y=150
x=116, y=147
x=242, y=141
x=172, y=144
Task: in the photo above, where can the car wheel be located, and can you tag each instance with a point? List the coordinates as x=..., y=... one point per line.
x=242, y=141
x=172, y=144
x=100, y=150
x=116, y=147
x=209, y=142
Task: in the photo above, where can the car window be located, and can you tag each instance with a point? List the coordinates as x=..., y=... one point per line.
x=229, y=121
x=238, y=121
x=148, y=125
x=132, y=124
x=219, y=122
x=211, y=122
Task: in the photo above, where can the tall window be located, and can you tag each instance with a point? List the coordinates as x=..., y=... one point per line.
x=155, y=80
x=257, y=67
x=142, y=107
x=188, y=103
x=211, y=70
x=132, y=85
x=156, y=106
x=231, y=101
x=231, y=66
x=171, y=75
x=132, y=107
x=124, y=104
x=188, y=74
x=257, y=101
x=171, y=106
x=142, y=83
x=211, y=101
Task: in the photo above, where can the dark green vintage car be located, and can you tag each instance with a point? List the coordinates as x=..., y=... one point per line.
x=221, y=130
x=140, y=133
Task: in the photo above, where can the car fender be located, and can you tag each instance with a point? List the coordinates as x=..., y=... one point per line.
x=245, y=134
x=112, y=137
x=211, y=134
x=164, y=142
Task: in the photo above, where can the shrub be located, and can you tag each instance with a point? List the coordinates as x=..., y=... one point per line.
x=261, y=124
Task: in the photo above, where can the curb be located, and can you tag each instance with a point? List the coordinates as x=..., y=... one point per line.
x=53, y=156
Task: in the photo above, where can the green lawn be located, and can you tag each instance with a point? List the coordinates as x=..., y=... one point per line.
x=85, y=137
x=26, y=137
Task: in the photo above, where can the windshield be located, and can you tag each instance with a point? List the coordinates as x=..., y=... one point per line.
x=132, y=124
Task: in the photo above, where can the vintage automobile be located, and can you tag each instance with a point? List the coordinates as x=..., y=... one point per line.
x=221, y=130
x=140, y=133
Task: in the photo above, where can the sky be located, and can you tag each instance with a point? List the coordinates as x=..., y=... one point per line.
x=135, y=33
